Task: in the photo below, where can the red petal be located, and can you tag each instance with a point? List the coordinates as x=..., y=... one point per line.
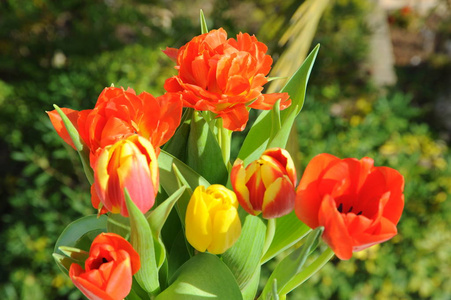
x=58, y=124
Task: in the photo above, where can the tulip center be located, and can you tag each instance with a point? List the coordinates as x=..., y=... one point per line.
x=340, y=209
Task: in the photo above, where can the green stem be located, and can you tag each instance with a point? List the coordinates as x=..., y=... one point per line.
x=224, y=137
x=308, y=272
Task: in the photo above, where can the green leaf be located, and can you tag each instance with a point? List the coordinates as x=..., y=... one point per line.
x=119, y=224
x=168, y=180
x=308, y=271
x=177, y=145
x=74, y=253
x=203, y=23
x=82, y=149
x=158, y=216
x=171, y=183
x=250, y=290
x=243, y=259
x=291, y=265
x=141, y=238
x=64, y=262
x=289, y=231
x=204, y=152
x=258, y=139
x=203, y=276
x=156, y=219
x=78, y=234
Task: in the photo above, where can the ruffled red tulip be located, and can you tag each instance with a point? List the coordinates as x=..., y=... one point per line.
x=119, y=113
x=108, y=270
x=358, y=204
x=224, y=76
x=130, y=163
x=266, y=185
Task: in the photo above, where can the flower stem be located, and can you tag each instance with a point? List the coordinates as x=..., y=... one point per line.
x=308, y=272
x=224, y=137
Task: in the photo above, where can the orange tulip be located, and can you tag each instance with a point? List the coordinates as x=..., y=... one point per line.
x=224, y=76
x=358, y=204
x=266, y=185
x=130, y=163
x=119, y=113
x=108, y=270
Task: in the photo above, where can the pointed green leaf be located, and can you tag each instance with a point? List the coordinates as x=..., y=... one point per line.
x=158, y=216
x=156, y=219
x=258, y=139
x=291, y=265
x=289, y=231
x=243, y=259
x=204, y=276
x=204, y=152
x=141, y=239
x=63, y=262
x=74, y=253
x=308, y=271
x=203, y=23
x=82, y=149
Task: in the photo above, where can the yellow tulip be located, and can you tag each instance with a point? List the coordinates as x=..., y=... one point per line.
x=212, y=222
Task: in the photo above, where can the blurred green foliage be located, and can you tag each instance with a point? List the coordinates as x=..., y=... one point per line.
x=66, y=52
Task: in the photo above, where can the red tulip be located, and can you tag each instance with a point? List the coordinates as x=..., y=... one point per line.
x=130, y=163
x=224, y=76
x=358, y=204
x=266, y=185
x=119, y=113
x=108, y=270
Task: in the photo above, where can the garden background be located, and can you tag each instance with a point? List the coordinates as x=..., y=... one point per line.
x=380, y=87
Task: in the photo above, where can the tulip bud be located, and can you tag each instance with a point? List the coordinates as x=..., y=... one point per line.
x=267, y=184
x=130, y=163
x=212, y=222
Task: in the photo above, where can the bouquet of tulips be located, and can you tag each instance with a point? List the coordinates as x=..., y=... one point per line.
x=176, y=219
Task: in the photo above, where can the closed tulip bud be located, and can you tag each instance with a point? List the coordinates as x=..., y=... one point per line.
x=130, y=163
x=266, y=185
x=212, y=222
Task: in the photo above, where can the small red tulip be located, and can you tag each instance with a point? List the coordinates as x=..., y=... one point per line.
x=108, y=270
x=266, y=185
x=358, y=204
x=130, y=163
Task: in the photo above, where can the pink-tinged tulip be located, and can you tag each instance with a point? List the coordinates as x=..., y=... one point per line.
x=108, y=270
x=358, y=204
x=130, y=163
x=267, y=184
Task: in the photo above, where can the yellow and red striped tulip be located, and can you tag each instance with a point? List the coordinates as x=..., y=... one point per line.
x=130, y=163
x=266, y=185
x=212, y=222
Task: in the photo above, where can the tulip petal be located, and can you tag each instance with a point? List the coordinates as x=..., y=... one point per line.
x=335, y=231
x=279, y=198
x=58, y=124
x=225, y=230
x=198, y=223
